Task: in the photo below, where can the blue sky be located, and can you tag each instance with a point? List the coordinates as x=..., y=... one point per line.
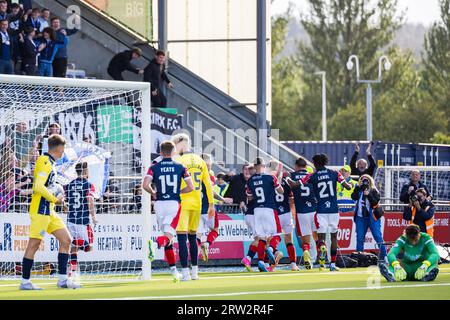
x=419, y=11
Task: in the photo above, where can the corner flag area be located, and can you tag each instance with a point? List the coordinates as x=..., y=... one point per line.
x=358, y=283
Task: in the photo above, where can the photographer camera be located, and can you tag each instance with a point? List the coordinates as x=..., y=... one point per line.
x=420, y=211
x=412, y=186
x=368, y=213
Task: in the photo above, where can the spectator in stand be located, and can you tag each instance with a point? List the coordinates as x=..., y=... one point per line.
x=48, y=46
x=15, y=27
x=24, y=138
x=53, y=128
x=61, y=57
x=11, y=187
x=220, y=187
x=136, y=204
x=155, y=74
x=26, y=5
x=4, y=10
x=6, y=47
x=360, y=167
x=33, y=20
x=344, y=196
x=111, y=196
x=236, y=189
x=44, y=19
x=9, y=190
x=230, y=174
x=414, y=184
x=368, y=213
x=122, y=61
x=28, y=51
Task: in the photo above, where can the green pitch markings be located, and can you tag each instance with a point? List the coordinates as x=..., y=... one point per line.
x=360, y=283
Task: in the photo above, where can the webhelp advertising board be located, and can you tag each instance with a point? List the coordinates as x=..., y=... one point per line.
x=120, y=237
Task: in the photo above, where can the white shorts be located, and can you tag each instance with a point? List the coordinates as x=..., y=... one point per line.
x=267, y=223
x=80, y=232
x=306, y=223
x=206, y=224
x=327, y=222
x=250, y=222
x=167, y=215
x=286, y=222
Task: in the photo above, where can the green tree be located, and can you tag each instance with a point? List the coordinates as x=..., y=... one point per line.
x=337, y=29
x=402, y=112
x=441, y=138
x=436, y=60
x=286, y=81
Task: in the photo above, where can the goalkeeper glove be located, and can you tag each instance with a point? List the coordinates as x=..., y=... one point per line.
x=399, y=272
x=422, y=270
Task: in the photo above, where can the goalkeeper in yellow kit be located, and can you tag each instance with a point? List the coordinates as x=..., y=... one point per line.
x=191, y=204
x=44, y=218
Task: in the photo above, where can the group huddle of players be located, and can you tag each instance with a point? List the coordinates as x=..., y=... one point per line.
x=182, y=189
x=184, y=207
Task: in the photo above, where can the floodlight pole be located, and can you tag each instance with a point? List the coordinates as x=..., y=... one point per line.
x=324, y=104
x=387, y=66
x=162, y=31
x=261, y=74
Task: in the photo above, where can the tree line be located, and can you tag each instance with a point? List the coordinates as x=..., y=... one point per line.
x=412, y=102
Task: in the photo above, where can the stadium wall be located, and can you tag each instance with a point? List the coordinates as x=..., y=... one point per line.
x=120, y=236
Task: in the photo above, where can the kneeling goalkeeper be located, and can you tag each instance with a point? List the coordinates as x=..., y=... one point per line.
x=420, y=257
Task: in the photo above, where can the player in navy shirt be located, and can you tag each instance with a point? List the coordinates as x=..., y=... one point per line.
x=305, y=208
x=262, y=188
x=324, y=182
x=283, y=207
x=249, y=219
x=167, y=176
x=80, y=205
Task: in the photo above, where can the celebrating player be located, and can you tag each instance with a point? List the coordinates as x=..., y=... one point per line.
x=283, y=207
x=262, y=187
x=324, y=182
x=44, y=218
x=305, y=208
x=207, y=223
x=249, y=219
x=167, y=176
x=80, y=199
x=191, y=205
x=420, y=257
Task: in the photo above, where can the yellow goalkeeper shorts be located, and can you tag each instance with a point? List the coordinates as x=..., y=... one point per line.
x=40, y=224
x=189, y=220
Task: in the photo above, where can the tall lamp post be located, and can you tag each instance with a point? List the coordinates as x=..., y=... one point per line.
x=324, y=104
x=387, y=66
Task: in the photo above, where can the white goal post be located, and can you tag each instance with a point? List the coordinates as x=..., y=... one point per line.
x=107, y=124
x=390, y=180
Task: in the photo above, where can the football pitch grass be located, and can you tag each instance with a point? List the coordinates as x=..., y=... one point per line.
x=358, y=283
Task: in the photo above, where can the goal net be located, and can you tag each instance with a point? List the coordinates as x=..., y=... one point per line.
x=107, y=126
x=390, y=180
